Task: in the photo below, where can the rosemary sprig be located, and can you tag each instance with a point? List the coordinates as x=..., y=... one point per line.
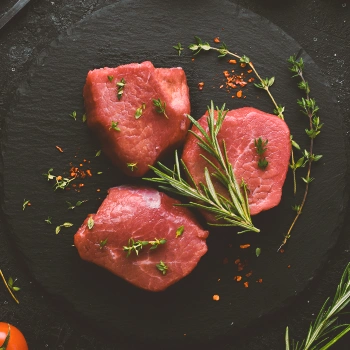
x=264, y=84
x=138, y=245
x=233, y=211
x=325, y=323
x=310, y=109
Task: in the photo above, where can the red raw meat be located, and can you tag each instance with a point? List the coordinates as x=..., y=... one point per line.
x=142, y=214
x=239, y=130
x=142, y=141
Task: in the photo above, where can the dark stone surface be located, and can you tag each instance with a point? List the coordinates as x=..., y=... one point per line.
x=321, y=28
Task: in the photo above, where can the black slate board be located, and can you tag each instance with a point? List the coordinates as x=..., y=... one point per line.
x=40, y=120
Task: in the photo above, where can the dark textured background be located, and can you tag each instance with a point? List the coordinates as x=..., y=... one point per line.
x=321, y=27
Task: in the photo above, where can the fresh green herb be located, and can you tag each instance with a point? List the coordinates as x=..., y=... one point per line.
x=223, y=50
x=296, y=208
x=132, y=166
x=77, y=204
x=310, y=109
x=162, y=267
x=11, y=283
x=8, y=288
x=263, y=163
x=61, y=182
x=99, y=172
x=261, y=147
x=120, y=88
x=178, y=48
x=65, y=224
x=110, y=77
x=139, y=111
x=84, y=118
x=73, y=115
x=138, y=245
x=90, y=223
x=25, y=203
x=160, y=107
x=180, y=231
x=233, y=211
x=257, y=252
x=318, y=336
x=114, y=126
x=48, y=220
x=98, y=153
x=103, y=243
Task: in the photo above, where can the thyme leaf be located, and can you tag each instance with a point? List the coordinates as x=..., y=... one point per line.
x=162, y=267
x=234, y=211
x=74, y=115
x=180, y=231
x=48, y=220
x=90, y=223
x=132, y=166
x=103, y=243
x=114, y=126
x=178, y=48
x=160, y=107
x=120, y=88
x=65, y=224
x=25, y=204
x=77, y=204
x=138, y=245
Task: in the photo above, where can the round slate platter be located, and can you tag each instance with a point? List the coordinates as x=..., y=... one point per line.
x=134, y=31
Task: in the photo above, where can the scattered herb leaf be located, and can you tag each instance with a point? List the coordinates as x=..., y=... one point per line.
x=77, y=204
x=160, y=106
x=11, y=283
x=110, y=77
x=257, y=252
x=99, y=172
x=120, y=88
x=162, y=267
x=103, y=243
x=180, y=231
x=114, y=126
x=84, y=118
x=138, y=245
x=65, y=224
x=139, y=111
x=98, y=153
x=48, y=220
x=25, y=203
x=90, y=223
x=178, y=48
x=73, y=115
x=132, y=166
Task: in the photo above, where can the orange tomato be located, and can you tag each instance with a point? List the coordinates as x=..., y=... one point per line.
x=16, y=341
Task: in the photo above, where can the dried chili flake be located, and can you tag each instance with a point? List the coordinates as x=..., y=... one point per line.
x=249, y=274
x=59, y=148
x=239, y=93
x=216, y=40
x=200, y=85
x=98, y=190
x=281, y=251
x=237, y=261
x=244, y=246
x=243, y=65
x=246, y=284
x=88, y=172
x=238, y=278
x=288, y=266
x=250, y=80
x=249, y=71
x=232, y=61
x=260, y=280
x=216, y=297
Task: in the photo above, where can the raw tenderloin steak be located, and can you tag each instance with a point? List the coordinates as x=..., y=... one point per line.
x=142, y=214
x=239, y=130
x=140, y=142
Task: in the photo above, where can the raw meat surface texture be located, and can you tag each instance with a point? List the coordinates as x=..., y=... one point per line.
x=144, y=140
x=142, y=214
x=239, y=130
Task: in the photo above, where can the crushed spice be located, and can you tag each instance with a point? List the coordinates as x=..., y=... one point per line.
x=59, y=148
x=216, y=297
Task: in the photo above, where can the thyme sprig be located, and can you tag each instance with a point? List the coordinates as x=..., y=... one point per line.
x=160, y=107
x=233, y=211
x=61, y=182
x=325, y=323
x=309, y=108
x=138, y=245
x=8, y=287
x=162, y=267
x=223, y=50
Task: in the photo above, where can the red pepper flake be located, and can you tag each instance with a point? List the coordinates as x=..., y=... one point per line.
x=29, y=204
x=232, y=61
x=81, y=164
x=98, y=190
x=225, y=261
x=219, y=279
x=239, y=93
x=81, y=185
x=244, y=246
x=288, y=266
x=243, y=65
x=216, y=40
x=281, y=251
x=249, y=274
x=216, y=297
x=251, y=80
x=59, y=148
x=260, y=280
x=88, y=172
x=250, y=70
x=59, y=178
x=200, y=85
x=192, y=59
x=246, y=284
x=237, y=261
x=238, y=278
